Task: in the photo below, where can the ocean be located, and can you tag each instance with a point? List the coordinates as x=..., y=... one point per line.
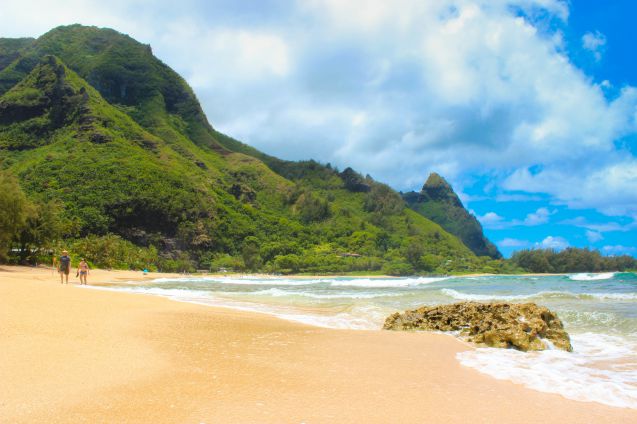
x=598, y=310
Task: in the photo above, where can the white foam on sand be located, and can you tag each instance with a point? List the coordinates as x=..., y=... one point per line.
x=363, y=317
x=358, y=318
x=244, y=281
x=596, y=371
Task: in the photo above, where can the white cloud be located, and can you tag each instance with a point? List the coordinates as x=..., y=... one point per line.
x=540, y=216
x=246, y=55
x=491, y=220
x=608, y=187
x=511, y=242
x=594, y=236
x=551, y=242
x=31, y=18
x=604, y=227
x=595, y=43
x=619, y=250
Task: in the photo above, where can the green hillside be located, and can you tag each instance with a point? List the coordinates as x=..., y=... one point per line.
x=91, y=119
x=438, y=202
x=10, y=49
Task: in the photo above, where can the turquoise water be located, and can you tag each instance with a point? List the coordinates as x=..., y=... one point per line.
x=599, y=312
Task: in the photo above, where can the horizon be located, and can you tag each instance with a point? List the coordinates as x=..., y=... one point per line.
x=525, y=134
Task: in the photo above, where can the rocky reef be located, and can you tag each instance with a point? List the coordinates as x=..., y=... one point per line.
x=524, y=326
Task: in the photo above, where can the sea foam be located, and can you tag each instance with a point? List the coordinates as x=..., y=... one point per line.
x=584, y=374
x=591, y=277
x=334, y=282
x=244, y=281
x=276, y=292
x=365, y=317
x=547, y=294
x=386, y=283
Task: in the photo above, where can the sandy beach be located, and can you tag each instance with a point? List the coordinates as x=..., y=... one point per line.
x=78, y=355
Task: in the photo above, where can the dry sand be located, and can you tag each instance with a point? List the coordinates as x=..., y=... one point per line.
x=74, y=355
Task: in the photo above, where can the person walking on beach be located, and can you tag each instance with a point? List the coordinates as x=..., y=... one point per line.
x=82, y=270
x=64, y=266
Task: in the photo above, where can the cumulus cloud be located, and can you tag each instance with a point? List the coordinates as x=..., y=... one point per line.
x=609, y=187
x=492, y=220
x=394, y=89
x=551, y=242
x=595, y=43
x=540, y=216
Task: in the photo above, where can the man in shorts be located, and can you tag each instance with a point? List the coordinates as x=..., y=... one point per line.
x=64, y=266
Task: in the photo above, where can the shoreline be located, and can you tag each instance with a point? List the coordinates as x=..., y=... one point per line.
x=140, y=276
x=106, y=276
x=101, y=356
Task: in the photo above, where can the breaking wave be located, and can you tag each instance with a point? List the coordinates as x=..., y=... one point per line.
x=591, y=277
x=539, y=296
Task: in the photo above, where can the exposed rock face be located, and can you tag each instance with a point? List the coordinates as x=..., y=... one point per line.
x=505, y=325
x=354, y=181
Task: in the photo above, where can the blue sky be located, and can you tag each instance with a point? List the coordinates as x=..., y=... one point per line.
x=597, y=39
x=528, y=107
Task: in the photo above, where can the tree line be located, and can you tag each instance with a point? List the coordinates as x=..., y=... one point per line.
x=572, y=259
x=27, y=228
x=31, y=232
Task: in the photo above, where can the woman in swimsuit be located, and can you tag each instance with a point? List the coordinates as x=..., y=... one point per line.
x=83, y=271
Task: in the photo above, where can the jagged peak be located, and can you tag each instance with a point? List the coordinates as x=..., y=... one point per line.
x=437, y=188
x=438, y=201
x=436, y=180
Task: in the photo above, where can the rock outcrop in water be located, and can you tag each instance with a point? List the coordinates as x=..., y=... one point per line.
x=504, y=325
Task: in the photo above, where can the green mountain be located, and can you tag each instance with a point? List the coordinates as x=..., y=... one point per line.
x=90, y=118
x=438, y=202
x=10, y=48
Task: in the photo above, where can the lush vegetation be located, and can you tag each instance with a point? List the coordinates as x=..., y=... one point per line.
x=571, y=260
x=27, y=228
x=10, y=48
x=438, y=202
x=106, y=151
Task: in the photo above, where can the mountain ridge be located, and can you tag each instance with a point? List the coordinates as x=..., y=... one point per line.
x=143, y=162
x=438, y=201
